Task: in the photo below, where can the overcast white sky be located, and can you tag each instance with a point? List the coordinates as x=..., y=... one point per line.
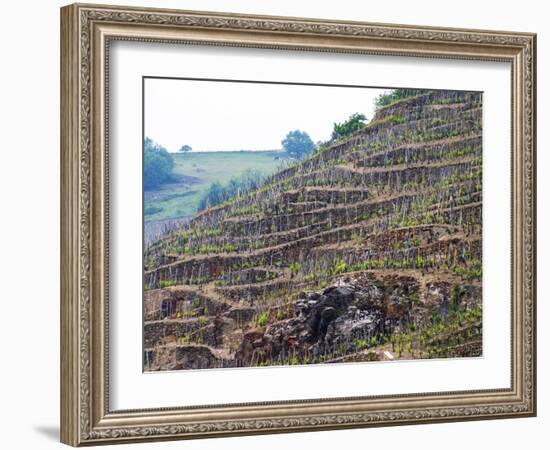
x=245, y=116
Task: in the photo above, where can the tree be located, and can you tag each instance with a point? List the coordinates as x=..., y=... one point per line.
x=297, y=144
x=350, y=126
x=157, y=165
x=185, y=149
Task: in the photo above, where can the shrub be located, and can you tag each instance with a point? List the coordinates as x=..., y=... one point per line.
x=263, y=319
x=350, y=126
x=340, y=267
x=158, y=165
x=295, y=267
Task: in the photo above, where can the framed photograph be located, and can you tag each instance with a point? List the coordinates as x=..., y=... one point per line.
x=276, y=224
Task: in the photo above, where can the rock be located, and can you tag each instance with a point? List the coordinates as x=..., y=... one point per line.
x=250, y=341
x=439, y=295
x=328, y=313
x=313, y=295
x=195, y=357
x=342, y=293
x=331, y=321
x=214, y=333
x=336, y=315
x=471, y=296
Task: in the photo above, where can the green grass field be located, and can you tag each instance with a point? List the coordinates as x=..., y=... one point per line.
x=196, y=172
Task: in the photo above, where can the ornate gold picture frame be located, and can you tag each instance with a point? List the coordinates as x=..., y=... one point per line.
x=87, y=32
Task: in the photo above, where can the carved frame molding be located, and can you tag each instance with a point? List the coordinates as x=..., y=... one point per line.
x=86, y=31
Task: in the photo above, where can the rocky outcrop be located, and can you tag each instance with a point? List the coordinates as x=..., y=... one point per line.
x=339, y=316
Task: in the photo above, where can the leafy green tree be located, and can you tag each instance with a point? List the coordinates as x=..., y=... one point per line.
x=185, y=149
x=350, y=126
x=297, y=144
x=158, y=165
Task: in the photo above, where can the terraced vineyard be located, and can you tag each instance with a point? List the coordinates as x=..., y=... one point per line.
x=368, y=250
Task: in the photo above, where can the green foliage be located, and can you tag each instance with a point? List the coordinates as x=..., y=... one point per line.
x=297, y=144
x=361, y=344
x=340, y=267
x=350, y=126
x=399, y=349
x=396, y=120
x=294, y=360
x=295, y=267
x=185, y=149
x=472, y=271
x=263, y=319
x=204, y=249
x=438, y=337
x=167, y=283
x=158, y=165
x=185, y=339
x=394, y=96
x=219, y=193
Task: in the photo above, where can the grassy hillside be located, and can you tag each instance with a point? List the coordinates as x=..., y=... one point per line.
x=368, y=250
x=196, y=171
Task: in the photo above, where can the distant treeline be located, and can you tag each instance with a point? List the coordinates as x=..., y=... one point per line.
x=158, y=165
x=219, y=193
x=276, y=151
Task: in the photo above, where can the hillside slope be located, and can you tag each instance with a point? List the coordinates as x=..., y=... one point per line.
x=368, y=250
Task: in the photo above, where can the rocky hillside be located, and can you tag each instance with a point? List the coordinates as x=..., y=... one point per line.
x=368, y=250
